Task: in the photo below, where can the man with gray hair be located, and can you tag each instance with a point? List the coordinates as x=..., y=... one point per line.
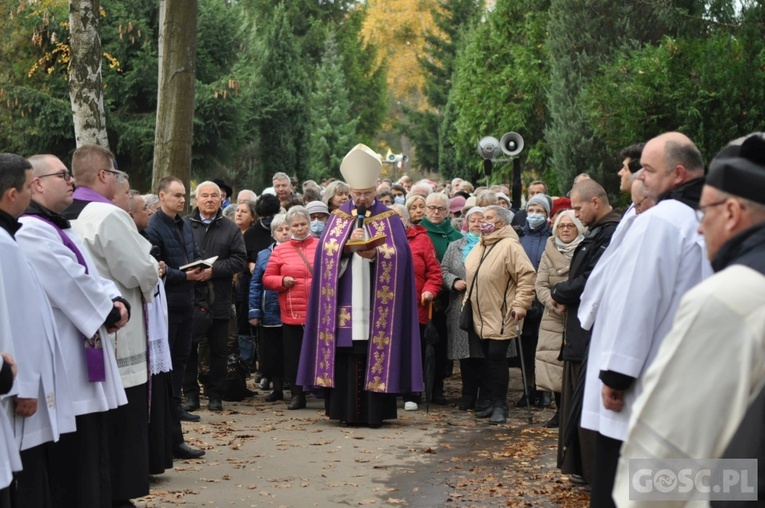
x=670, y=254
x=421, y=188
x=216, y=237
x=246, y=195
x=283, y=189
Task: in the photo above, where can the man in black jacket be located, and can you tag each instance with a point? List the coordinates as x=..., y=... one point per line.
x=168, y=231
x=590, y=203
x=222, y=238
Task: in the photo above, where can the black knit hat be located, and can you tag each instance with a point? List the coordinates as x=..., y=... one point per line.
x=739, y=168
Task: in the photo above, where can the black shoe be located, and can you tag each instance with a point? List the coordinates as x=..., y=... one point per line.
x=545, y=400
x=274, y=396
x=466, y=403
x=439, y=399
x=521, y=402
x=185, y=416
x=215, y=405
x=184, y=451
x=486, y=412
x=297, y=402
x=192, y=402
x=554, y=422
x=499, y=415
x=481, y=405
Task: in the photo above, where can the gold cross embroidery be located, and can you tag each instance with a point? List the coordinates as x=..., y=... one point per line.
x=327, y=291
x=344, y=316
x=385, y=295
x=375, y=385
x=331, y=246
x=323, y=380
x=381, y=340
x=326, y=338
x=386, y=250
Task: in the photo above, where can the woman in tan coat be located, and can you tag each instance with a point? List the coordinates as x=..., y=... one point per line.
x=500, y=282
x=568, y=232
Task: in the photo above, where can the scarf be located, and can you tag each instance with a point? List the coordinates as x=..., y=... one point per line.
x=567, y=249
x=472, y=241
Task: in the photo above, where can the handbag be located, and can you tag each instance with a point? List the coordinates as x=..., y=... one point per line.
x=466, y=315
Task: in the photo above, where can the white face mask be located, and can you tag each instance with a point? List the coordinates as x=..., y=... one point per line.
x=535, y=220
x=317, y=227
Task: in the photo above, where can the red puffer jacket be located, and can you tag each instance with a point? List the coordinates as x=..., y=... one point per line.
x=287, y=262
x=427, y=270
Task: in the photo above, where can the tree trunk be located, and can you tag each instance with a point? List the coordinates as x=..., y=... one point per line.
x=85, y=84
x=175, y=95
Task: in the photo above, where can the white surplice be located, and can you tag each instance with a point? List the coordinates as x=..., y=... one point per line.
x=9, y=452
x=123, y=256
x=81, y=302
x=660, y=257
x=708, y=370
x=41, y=369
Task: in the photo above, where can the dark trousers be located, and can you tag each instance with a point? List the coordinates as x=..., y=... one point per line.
x=441, y=352
x=217, y=334
x=530, y=337
x=292, y=337
x=498, y=376
x=606, y=461
x=471, y=369
x=179, y=328
x=31, y=486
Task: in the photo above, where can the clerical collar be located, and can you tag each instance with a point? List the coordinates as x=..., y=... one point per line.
x=9, y=223
x=688, y=193
x=36, y=208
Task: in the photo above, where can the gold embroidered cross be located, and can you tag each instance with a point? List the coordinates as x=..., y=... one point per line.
x=325, y=337
x=381, y=340
x=375, y=385
x=327, y=291
x=344, y=316
x=331, y=246
x=386, y=250
x=323, y=380
x=385, y=295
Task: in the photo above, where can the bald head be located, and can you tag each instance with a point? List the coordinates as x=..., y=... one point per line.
x=588, y=189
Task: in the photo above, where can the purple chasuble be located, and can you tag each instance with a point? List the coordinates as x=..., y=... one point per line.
x=394, y=362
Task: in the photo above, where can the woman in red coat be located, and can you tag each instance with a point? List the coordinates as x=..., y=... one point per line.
x=427, y=276
x=289, y=273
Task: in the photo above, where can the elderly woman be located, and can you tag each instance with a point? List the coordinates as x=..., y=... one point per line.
x=461, y=345
x=427, y=278
x=289, y=273
x=535, y=231
x=441, y=233
x=336, y=194
x=415, y=205
x=568, y=233
x=500, y=286
x=264, y=313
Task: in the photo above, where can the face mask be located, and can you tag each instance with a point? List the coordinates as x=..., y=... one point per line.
x=535, y=220
x=399, y=200
x=317, y=227
x=487, y=227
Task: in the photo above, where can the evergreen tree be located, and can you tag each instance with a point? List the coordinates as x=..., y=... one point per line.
x=281, y=88
x=332, y=130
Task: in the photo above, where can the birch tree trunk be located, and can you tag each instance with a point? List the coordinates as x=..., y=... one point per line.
x=175, y=95
x=86, y=91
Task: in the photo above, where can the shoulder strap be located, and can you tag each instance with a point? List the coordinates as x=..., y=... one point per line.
x=483, y=256
x=305, y=259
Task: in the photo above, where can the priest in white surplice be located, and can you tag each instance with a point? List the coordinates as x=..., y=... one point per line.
x=122, y=256
x=86, y=307
x=660, y=257
x=713, y=359
x=42, y=407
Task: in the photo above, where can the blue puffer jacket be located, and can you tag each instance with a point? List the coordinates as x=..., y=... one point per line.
x=534, y=242
x=264, y=303
x=167, y=234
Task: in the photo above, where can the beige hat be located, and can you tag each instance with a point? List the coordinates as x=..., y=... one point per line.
x=361, y=167
x=469, y=203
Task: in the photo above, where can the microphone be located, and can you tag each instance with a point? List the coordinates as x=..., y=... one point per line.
x=361, y=211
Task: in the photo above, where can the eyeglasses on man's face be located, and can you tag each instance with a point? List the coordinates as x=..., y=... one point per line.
x=703, y=209
x=360, y=195
x=64, y=175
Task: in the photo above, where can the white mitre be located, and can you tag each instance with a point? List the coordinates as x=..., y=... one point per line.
x=361, y=167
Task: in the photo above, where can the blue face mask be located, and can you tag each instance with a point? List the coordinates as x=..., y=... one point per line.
x=399, y=200
x=535, y=220
x=317, y=227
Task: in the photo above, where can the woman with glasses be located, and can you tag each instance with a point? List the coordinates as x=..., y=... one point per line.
x=568, y=233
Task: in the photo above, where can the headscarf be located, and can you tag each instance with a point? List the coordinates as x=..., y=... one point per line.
x=472, y=238
x=567, y=249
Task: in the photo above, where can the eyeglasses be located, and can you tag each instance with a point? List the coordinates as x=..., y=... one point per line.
x=439, y=209
x=64, y=175
x=116, y=173
x=702, y=209
x=566, y=226
x=359, y=195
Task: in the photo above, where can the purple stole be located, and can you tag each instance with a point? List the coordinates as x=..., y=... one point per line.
x=383, y=308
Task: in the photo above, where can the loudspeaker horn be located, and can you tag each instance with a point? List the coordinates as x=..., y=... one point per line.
x=511, y=143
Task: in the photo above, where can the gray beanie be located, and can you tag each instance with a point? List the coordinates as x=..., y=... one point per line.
x=540, y=199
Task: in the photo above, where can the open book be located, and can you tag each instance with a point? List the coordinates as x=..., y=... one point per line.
x=203, y=263
x=371, y=243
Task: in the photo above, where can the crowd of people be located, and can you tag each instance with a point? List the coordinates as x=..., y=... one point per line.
x=119, y=314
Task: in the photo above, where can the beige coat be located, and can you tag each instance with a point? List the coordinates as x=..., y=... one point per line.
x=553, y=269
x=505, y=281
